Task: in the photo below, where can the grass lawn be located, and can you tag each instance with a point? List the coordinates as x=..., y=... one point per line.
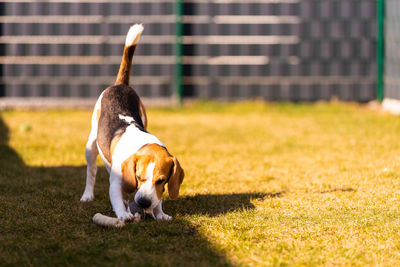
x=266, y=184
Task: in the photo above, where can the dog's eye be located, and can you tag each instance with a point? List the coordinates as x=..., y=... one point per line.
x=138, y=178
x=160, y=181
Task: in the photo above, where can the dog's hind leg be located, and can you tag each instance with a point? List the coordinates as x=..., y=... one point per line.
x=91, y=153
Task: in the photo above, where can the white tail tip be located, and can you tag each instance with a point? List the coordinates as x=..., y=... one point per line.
x=132, y=38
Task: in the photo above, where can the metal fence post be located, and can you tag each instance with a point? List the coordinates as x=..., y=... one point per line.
x=178, y=50
x=381, y=49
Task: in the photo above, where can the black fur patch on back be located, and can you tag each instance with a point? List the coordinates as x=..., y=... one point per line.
x=117, y=100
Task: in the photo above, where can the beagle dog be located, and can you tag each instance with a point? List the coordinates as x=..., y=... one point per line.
x=134, y=158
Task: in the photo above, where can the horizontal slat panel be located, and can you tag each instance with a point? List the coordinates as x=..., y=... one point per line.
x=84, y=60
x=219, y=19
x=91, y=39
x=262, y=80
x=157, y=1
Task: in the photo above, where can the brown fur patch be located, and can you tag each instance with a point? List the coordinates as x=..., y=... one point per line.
x=128, y=167
x=114, y=143
x=160, y=186
x=126, y=65
x=175, y=179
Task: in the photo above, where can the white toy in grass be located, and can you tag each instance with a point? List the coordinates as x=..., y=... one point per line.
x=107, y=221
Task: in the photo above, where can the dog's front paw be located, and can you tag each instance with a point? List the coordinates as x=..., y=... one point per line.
x=87, y=197
x=126, y=216
x=163, y=217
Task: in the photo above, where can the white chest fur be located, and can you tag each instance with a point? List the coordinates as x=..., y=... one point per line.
x=131, y=141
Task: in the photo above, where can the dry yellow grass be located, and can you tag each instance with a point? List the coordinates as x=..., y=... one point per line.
x=266, y=184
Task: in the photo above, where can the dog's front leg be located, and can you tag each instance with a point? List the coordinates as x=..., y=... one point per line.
x=116, y=198
x=159, y=214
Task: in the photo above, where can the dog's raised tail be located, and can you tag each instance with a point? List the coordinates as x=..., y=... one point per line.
x=132, y=39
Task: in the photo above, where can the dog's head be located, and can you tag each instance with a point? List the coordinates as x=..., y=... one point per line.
x=150, y=169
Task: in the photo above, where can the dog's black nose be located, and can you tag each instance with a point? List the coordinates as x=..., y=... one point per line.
x=144, y=202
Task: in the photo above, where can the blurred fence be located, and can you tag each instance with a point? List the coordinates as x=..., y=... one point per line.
x=392, y=47
x=291, y=50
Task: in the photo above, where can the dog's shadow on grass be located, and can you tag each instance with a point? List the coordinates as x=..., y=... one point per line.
x=215, y=204
x=8, y=157
x=43, y=221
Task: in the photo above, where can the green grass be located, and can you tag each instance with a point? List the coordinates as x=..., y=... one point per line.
x=266, y=184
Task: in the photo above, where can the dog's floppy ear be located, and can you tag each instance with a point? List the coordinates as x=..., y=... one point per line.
x=128, y=168
x=176, y=179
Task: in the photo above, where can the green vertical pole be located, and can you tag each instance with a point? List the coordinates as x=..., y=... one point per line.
x=178, y=50
x=381, y=49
